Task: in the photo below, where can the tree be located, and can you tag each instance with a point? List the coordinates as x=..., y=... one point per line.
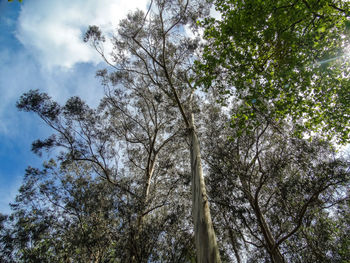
x=139, y=116
x=60, y=216
x=282, y=59
x=168, y=68
x=127, y=130
x=277, y=192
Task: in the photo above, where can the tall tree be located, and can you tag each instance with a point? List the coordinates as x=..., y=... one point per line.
x=154, y=45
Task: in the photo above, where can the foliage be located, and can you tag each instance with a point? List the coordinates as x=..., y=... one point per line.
x=282, y=59
x=67, y=213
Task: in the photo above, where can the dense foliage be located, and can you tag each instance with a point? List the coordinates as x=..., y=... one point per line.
x=67, y=215
x=283, y=59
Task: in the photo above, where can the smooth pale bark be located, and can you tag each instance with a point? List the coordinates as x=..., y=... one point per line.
x=150, y=171
x=207, y=250
x=205, y=238
x=142, y=213
x=149, y=176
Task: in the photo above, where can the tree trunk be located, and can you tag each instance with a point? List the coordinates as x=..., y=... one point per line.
x=232, y=239
x=149, y=176
x=206, y=245
x=141, y=215
x=275, y=254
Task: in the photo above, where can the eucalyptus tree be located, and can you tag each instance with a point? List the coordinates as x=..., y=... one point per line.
x=151, y=48
x=278, y=193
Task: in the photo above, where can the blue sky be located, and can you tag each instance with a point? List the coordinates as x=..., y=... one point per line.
x=41, y=48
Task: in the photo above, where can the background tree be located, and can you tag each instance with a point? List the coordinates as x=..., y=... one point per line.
x=277, y=192
x=131, y=131
x=62, y=216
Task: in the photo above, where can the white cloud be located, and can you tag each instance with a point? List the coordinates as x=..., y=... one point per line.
x=53, y=30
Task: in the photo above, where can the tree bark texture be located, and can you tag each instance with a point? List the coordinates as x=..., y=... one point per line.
x=206, y=245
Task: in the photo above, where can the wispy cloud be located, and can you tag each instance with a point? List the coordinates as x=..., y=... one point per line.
x=16, y=76
x=53, y=56
x=8, y=192
x=53, y=30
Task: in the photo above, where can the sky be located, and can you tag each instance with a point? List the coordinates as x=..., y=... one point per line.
x=41, y=47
